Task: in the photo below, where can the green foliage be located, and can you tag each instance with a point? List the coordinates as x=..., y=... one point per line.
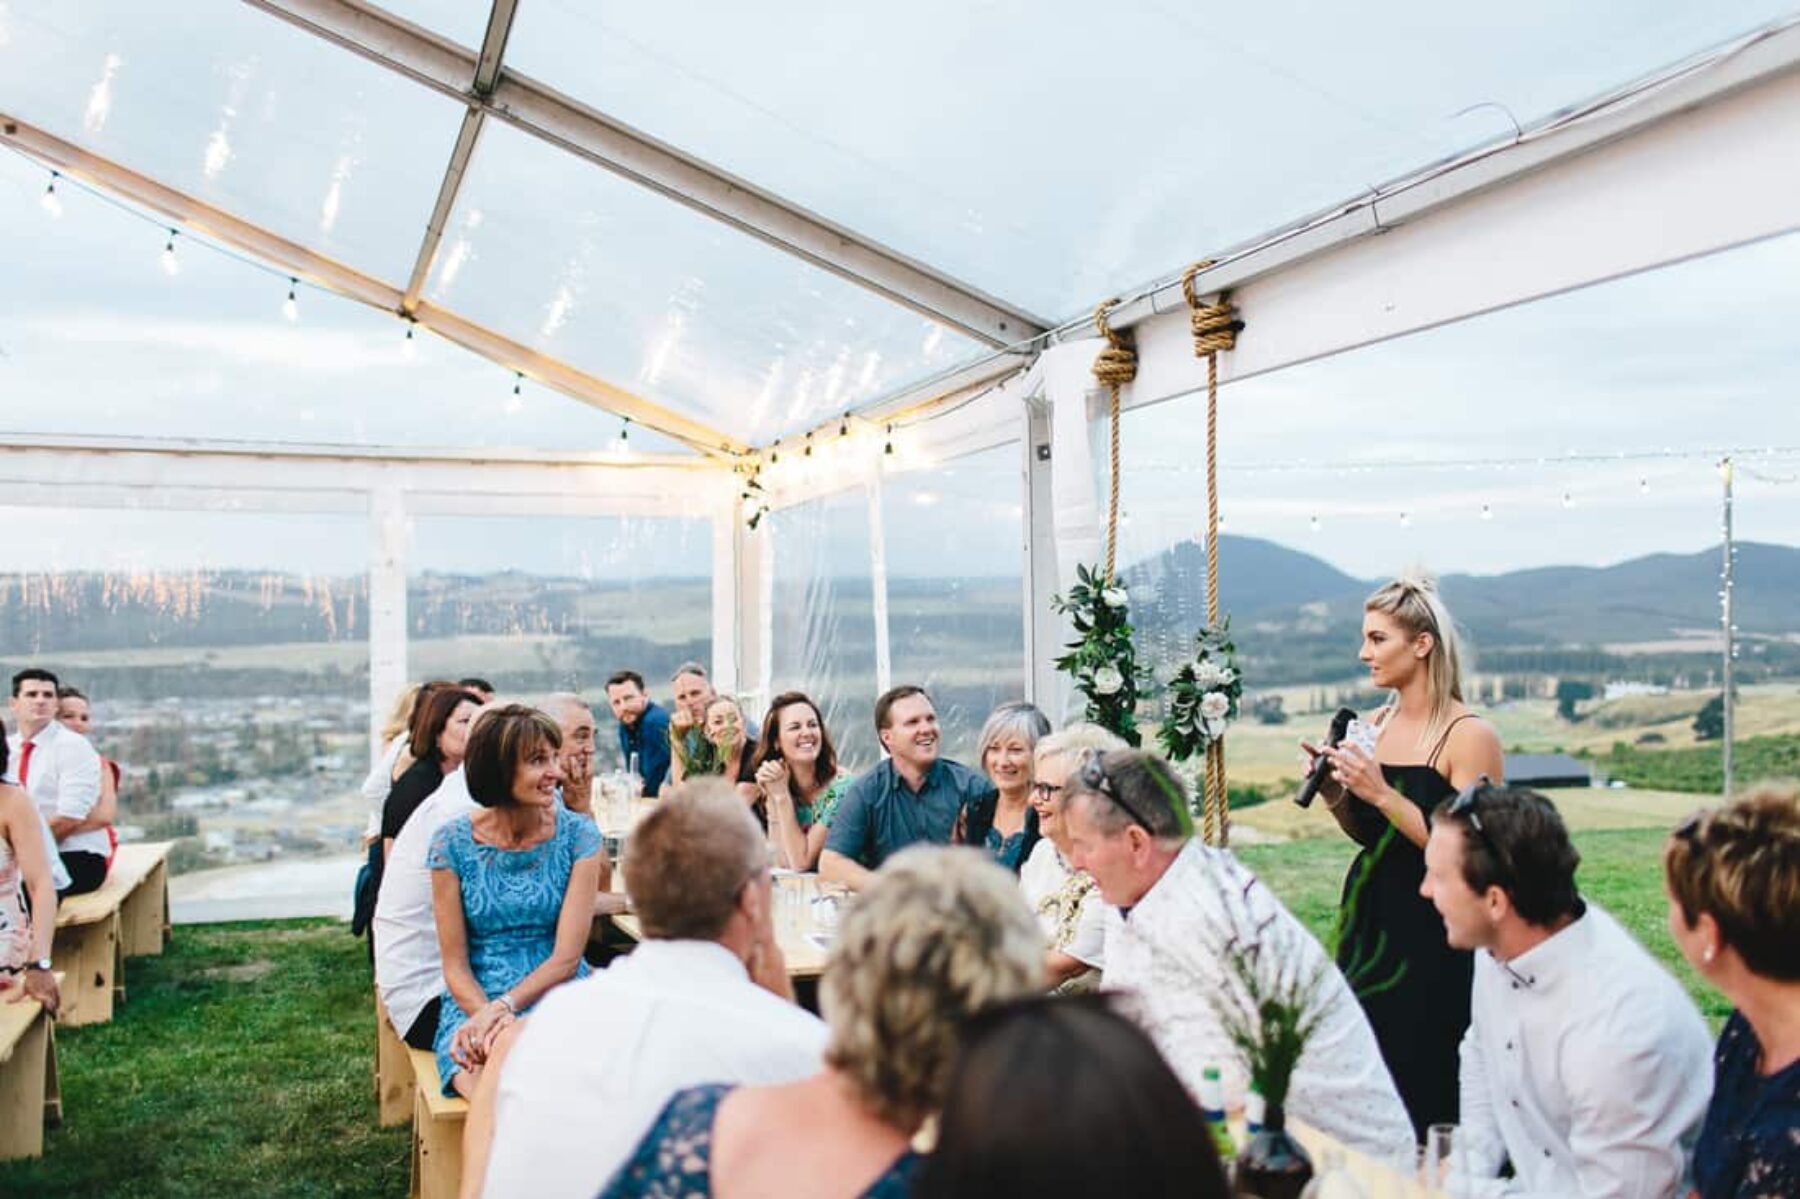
x=1709, y=722
x=1700, y=768
x=1204, y=696
x=240, y=1067
x=1103, y=661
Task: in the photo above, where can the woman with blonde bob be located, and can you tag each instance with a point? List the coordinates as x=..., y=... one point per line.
x=1428, y=747
x=940, y=935
x=1733, y=875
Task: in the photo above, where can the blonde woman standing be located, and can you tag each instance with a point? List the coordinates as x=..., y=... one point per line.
x=1429, y=746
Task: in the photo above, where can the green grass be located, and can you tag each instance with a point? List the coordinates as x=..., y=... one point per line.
x=1701, y=768
x=241, y=1065
x=1621, y=870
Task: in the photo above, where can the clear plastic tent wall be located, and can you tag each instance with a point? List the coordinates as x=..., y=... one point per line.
x=357, y=343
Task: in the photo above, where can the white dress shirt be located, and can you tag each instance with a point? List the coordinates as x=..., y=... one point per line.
x=1587, y=1064
x=1168, y=954
x=64, y=782
x=409, y=968
x=1042, y=878
x=379, y=781
x=599, y=1058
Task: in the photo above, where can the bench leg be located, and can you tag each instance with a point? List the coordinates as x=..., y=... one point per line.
x=88, y=955
x=27, y=1081
x=393, y=1072
x=144, y=916
x=437, y=1154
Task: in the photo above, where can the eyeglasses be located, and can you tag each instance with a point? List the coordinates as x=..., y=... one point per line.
x=1464, y=805
x=1046, y=791
x=1094, y=777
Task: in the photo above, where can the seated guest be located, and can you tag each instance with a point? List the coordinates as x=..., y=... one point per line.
x=440, y=732
x=690, y=752
x=26, y=886
x=1069, y=908
x=1180, y=907
x=482, y=689
x=734, y=754
x=910, y=797
x=77, y=715
x=643, y=729
x=1734, y=911
x=512, y=889
x=1585, y=1061
x=395, y=747
x=797, y=780
x=1006, y=825
x=939, y=935
x=61, y=773
x=1067, y=1099
x=705, y=998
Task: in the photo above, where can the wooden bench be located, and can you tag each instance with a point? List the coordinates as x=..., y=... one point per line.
x=437, y=1131
x=393, y=1072
x=96, y=932
x=30, y=1098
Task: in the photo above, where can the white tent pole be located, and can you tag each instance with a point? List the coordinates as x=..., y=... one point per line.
x=1043, y=628
x=878, y=585
x=387, y=607
x=726, y=597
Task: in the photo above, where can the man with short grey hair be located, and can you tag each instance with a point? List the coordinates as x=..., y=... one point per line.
x=705, y=998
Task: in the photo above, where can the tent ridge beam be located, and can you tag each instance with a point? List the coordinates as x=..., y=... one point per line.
x=555, y=118
x=292, y=258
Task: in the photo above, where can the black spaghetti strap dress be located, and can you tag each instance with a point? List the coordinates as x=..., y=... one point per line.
x=1413, y=986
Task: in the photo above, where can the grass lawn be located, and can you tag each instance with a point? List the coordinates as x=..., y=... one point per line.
x=241, y=1065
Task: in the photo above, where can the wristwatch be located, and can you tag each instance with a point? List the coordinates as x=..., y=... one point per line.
x=41, y=964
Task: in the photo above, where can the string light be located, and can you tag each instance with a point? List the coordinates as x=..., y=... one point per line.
x=1644, y=485
x=1487, y=512
x=170, y=264
x=409, y=345
x=844, y=426
x=621, y=445
x=1313, y=524
x=888, y=449
x=809, y=445
x=50, y=201
x=1568, y=500
x=1405, y=520
x=516, y=401
x=290, y=307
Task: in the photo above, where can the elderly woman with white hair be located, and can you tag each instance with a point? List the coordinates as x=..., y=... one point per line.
x=1003, y=822
x=940, y=935
x=1069, y=909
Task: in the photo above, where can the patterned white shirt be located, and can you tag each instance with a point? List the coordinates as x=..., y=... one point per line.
x=64, y=782
x=1169, y=953
x=1586, y=1064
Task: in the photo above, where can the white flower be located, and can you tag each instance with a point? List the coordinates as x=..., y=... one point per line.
x=1209, y=675
x=1214, y=705
x=1227, y=676
x=1108, y=681
x=1115, y=597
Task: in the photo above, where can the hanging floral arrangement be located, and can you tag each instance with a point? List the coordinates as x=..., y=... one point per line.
x=1102, y=662
x=1204, y=695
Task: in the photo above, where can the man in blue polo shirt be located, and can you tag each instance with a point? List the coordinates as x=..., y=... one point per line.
x=912, y=796
x=643, y=728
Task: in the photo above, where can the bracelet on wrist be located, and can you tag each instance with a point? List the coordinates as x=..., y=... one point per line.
x=505, y=1000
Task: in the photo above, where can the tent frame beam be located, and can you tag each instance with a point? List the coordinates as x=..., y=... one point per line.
x=562, y=121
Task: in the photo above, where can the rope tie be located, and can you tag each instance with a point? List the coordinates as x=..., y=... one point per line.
x=1215, y=327
x=1114, y=368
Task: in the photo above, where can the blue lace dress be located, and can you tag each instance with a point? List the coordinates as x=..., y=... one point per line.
x=1750, y=1144
x=674, y=1160
x=512, y=899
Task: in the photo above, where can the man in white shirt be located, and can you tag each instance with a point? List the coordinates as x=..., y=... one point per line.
x=1585, y=1062
x=1181, y=912
x=61, y=772
x=705, y=998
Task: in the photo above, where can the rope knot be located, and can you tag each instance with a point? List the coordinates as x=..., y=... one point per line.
x=1216, y=325
x=1117, y=363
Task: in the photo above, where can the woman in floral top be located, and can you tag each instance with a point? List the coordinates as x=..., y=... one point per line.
x=797, y=780
x=1068, y=908
x=1734, y=911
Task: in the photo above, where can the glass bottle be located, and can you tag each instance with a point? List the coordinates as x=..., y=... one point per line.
x=1273, y=1165
x=1212, y=1106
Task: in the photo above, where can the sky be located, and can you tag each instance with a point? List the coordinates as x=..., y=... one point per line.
x=1386, y=456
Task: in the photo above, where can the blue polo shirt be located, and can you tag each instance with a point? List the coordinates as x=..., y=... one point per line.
x=649, y=740
x=881, y=814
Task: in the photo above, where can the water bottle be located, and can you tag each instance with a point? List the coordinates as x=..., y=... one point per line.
x=1212, y=1106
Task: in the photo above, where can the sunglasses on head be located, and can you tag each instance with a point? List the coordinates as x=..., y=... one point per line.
x=1093, y=777
x=1465, y=804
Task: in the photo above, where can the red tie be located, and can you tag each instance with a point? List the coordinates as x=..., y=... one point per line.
x=25, y=763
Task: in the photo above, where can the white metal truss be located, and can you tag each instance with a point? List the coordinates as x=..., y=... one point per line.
x=562, y=121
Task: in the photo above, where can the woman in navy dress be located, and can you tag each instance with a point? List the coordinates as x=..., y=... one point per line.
x=1734, y=910
x=1393, y=949
x=512, y=889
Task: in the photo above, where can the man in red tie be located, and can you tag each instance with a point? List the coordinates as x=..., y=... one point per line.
x=61, y=772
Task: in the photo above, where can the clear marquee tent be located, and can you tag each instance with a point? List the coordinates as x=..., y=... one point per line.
x=795, y=304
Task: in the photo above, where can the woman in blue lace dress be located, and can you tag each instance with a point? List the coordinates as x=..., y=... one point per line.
x=940, y=935
x=512, y=888
x=1734, y=911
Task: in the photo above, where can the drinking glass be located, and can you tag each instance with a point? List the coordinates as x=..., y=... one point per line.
x=1441, y=1147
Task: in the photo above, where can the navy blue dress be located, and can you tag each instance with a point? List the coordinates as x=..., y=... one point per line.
x=674, y=1160
x=1750, y=1144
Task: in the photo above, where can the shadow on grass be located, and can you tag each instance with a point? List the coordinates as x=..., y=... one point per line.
x=240, y=1065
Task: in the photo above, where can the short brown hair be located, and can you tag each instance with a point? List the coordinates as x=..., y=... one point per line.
x=1740, y=864
x=690, y=858
x=889, y=698
x=939, y=935
x=501, y=739
x=428, y=722
x=1515, y=839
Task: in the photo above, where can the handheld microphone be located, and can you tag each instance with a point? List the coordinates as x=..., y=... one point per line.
x=1315, y=778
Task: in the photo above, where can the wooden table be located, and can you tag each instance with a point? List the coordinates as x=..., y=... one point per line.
x=805, y=959
x=1379, y=1180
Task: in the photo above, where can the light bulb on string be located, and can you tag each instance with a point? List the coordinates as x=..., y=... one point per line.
x=844, y=426
x=888, y=449
x=50, y=201
x=290, y=307
x=171, y=265
x=809, y=445
x=1487, y=512
x=409, y=345
x=1644, y=486
x=1406, y=520
x=621, y=446
x=1568, y=500
x=516, y=401
x=1313, y=524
